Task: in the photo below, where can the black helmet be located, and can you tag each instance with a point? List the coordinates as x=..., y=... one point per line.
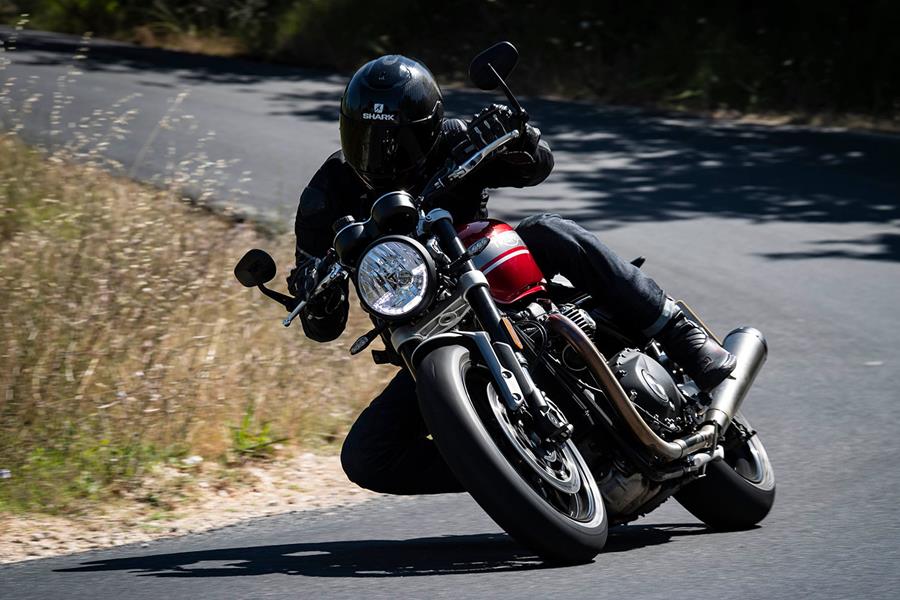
x=391, y=117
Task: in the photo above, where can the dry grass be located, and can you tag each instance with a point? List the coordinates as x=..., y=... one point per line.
x=126, y=341
x=209, y=43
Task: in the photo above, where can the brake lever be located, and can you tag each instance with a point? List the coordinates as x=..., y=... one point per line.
x=442, y=183
x=477, y=158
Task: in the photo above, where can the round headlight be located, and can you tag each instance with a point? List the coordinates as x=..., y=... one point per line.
x=394, y=278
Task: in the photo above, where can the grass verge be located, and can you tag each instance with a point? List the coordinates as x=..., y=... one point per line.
x=126, y=342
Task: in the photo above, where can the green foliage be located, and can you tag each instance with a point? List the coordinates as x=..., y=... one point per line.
x=56, y=477
x=831, y=55
x=252, y=440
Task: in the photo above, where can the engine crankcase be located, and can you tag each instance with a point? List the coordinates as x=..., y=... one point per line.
x=649, y=385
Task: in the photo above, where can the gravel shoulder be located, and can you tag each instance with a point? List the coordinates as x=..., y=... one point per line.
x=177, y=501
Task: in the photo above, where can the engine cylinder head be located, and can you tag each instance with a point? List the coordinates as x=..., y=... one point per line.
x=579, y=317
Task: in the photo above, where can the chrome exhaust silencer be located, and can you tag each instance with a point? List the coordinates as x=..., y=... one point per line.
x=750, y=348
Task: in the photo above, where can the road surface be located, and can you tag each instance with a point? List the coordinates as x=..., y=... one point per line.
x=792, y=230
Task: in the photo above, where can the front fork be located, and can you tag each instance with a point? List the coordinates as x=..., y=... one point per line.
x=503, y=352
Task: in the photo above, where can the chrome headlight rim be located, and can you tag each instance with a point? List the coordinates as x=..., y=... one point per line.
x=431, y=278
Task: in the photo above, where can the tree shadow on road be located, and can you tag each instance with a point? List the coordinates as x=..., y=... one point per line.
x=882, y=247
x=615, y=166
x=454, y=554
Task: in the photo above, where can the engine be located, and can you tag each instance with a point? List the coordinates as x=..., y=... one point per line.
x=651, y=388
x=659, y=401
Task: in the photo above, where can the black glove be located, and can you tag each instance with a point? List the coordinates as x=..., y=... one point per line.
x=302, y=281
x=302, y=278
x=492, y=123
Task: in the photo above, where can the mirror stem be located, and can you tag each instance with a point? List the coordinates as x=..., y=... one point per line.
x=285, y=301
x=509, y=95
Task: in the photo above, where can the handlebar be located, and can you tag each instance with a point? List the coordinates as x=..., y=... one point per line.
x=443, y=181
x=337, y=272
x=476, y=159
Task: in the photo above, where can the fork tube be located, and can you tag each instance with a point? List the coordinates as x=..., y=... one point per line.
x=479, y=296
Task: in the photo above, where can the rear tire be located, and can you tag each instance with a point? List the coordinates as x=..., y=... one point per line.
x=736, y=493
x=458, y=429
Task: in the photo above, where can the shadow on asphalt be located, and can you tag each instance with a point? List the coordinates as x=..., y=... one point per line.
x=624, y=165
x=454, y=554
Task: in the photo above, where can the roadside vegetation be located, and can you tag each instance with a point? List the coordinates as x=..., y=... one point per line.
x=828, y=58
x=126, y=342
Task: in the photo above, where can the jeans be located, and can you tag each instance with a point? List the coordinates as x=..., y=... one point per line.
x=387, y=449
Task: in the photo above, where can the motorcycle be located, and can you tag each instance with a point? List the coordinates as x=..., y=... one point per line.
x=555, y=441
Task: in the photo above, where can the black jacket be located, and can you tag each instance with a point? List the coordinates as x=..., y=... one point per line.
x=336, y=191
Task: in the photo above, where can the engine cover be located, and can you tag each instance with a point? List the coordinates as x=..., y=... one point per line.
x=649, y=385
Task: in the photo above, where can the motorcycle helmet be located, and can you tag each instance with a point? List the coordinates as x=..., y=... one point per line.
x=391, y=115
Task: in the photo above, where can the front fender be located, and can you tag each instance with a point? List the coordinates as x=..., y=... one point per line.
x=478, y=343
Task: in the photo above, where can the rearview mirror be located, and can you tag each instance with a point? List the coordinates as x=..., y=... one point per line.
x=502, y=56
x=255, y=268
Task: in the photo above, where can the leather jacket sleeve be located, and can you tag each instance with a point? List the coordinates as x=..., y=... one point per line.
x=527, y=162
x=324, y=318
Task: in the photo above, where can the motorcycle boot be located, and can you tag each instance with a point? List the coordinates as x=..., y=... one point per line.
x=702, y=357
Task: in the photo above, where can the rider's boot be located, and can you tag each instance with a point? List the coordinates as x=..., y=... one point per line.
x=702, y=357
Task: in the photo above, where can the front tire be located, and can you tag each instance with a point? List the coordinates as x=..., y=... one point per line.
x=462, y=429
x=736, y=493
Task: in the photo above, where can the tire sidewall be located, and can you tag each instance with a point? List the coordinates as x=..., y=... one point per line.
x=725, y=500
x=462, y=438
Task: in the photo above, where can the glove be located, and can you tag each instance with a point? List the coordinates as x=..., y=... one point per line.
x=302, y=278
x=302, y=281
x=492, y=123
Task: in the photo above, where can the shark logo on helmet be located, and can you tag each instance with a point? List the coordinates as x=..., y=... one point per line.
x=378, y=114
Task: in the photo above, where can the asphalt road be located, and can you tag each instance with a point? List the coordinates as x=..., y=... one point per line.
x=792, y=230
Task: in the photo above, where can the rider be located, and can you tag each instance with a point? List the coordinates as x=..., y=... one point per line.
x=394, y=136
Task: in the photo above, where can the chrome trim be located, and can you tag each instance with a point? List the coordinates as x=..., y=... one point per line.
x=471, y=279
x=437, y=322
x=701, y=459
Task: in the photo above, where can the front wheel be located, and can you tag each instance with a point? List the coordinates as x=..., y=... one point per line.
x=546, y=498
x=737, y=492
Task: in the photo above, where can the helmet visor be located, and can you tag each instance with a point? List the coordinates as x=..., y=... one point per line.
x=381, y=151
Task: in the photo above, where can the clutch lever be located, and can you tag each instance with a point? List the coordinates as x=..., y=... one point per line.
x=336, y=273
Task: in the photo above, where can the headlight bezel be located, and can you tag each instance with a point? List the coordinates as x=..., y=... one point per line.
x=430, y=285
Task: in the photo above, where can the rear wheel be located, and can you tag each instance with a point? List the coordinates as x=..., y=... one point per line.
x=737, y=492
x=544, y=497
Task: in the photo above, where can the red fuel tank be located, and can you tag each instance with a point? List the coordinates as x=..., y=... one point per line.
x=508, y=265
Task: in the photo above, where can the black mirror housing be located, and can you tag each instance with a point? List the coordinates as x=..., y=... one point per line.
x=255, y=268
x=498, y=60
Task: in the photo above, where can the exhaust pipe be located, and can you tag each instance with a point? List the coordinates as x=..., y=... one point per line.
x=746, y=343
x=750, y=348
